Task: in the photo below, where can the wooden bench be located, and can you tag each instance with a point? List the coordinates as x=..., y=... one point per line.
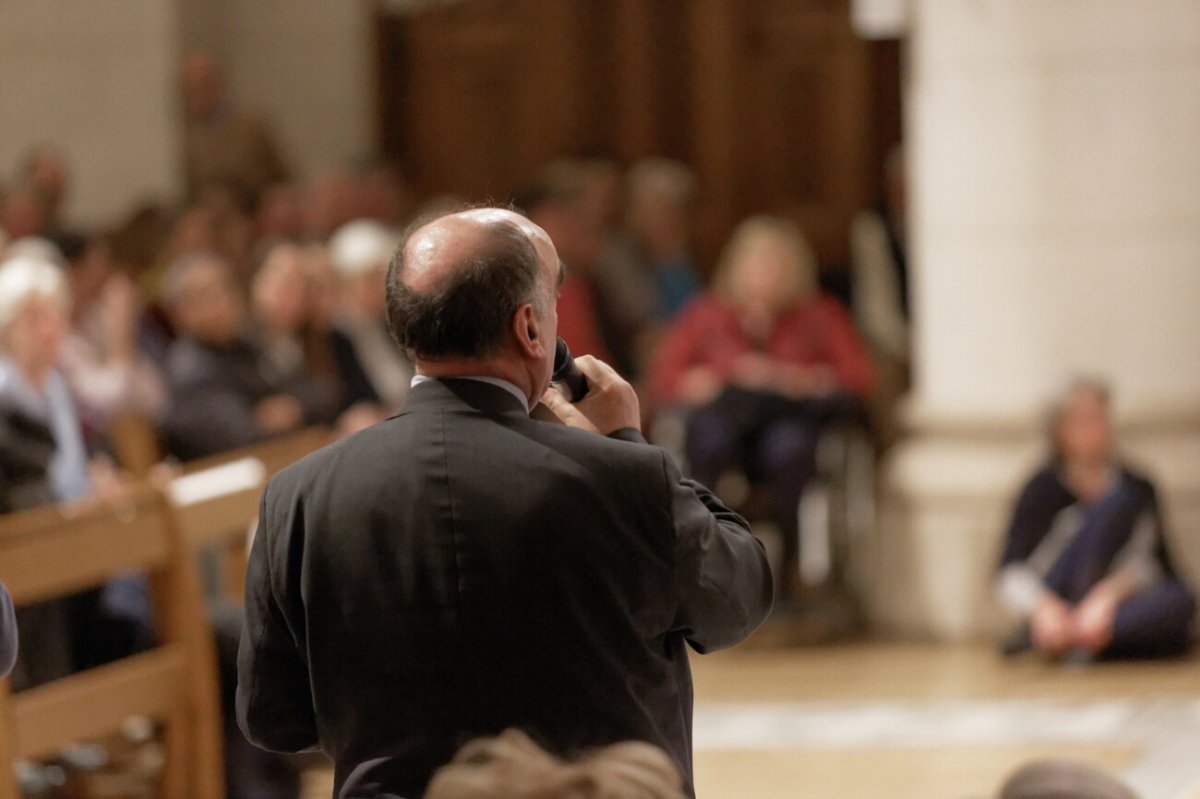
x=217, y=499
x=57, y=551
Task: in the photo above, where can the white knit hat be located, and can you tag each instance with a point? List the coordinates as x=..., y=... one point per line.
x=362, y=246
x=24, y=277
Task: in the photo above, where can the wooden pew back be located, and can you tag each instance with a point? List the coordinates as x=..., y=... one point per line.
x=57, y=551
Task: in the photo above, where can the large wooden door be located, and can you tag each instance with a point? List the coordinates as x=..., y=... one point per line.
x=771, y=101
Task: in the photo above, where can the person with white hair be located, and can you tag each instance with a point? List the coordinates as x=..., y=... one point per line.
x=1086, y=566
x=34, y=308
x=360, y=252
x=43, y=460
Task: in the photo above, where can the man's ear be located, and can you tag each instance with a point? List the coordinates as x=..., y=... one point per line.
x=527, y=329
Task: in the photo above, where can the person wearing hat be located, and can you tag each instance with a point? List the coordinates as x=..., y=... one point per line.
x=360, y=252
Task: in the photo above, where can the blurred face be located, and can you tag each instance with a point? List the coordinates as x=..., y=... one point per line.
x=1084, y=430
x=35, y=337
x=89, y=274
x=281, y=291
x=763, y=275
x=203, y=90
x=280, y=214
x=323, y=287
x=211, y=307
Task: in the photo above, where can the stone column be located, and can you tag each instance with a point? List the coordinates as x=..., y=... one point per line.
x=1055, y=191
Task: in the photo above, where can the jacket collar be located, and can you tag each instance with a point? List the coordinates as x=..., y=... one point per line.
x=444, y=393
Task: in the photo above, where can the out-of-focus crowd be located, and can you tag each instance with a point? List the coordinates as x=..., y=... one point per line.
x=257, y=306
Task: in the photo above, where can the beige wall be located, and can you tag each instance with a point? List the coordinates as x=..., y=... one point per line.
x=1056, y=229
x=305, y=65
x=95, y=78
x=99, y=79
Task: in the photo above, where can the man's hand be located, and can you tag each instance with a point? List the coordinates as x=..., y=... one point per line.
x=611, y=403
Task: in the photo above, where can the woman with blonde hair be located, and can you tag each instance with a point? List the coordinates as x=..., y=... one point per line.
x=760, y=362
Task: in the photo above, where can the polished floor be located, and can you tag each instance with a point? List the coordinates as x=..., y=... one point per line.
x=921, y=722
x=930, y=722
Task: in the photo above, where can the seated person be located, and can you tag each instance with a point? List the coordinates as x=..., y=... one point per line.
x=43, y=460
x=761, y=361
x=1086, y=565
x=222, y=394
x=360, y=252
x=108, y=372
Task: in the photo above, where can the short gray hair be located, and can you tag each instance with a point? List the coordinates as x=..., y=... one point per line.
x=1068, y=391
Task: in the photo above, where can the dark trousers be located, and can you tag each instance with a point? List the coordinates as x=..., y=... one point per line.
x=1154, y=623
x=772, y=440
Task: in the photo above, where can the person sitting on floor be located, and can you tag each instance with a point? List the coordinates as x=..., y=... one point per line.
x=1086, y=564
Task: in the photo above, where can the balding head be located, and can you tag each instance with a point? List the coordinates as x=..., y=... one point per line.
x=459, y=286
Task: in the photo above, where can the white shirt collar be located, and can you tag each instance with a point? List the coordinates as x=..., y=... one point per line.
x=511, y=388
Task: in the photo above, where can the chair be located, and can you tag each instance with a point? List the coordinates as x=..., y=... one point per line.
x=57, y=551
x=837, y=509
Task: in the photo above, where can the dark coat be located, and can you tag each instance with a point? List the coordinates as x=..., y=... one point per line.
x=213, y=394
x=460, y=569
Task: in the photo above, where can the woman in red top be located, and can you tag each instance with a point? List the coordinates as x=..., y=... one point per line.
x=760, y=361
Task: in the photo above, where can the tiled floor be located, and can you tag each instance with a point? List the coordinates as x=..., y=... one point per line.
x=934, y=723
x=924, y=722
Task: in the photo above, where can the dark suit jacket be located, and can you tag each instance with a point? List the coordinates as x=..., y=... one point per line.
x=460, y=568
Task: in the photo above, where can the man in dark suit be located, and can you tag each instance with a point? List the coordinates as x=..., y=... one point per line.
x=462, y=568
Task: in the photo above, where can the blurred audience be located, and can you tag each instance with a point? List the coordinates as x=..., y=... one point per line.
x=879, y=249
x=102, y=359
x=1086, y=565
x=44, y=460
x=221, y=396
x=648, y=274
x=555, y=202
x=386, y=196
x=331, y=200
x=222, y=144
x=45, y=173
x=512, y=766
x=880, y=291
x=760, y=363
x=360, y=253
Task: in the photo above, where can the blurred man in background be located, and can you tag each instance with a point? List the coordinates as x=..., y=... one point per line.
x=221, y=143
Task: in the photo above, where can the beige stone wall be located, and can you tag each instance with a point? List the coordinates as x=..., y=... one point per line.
x=95, y=78
x=1056, y=230
x=306, y=65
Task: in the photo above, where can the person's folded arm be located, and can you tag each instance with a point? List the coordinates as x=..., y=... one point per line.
x=274, y=700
